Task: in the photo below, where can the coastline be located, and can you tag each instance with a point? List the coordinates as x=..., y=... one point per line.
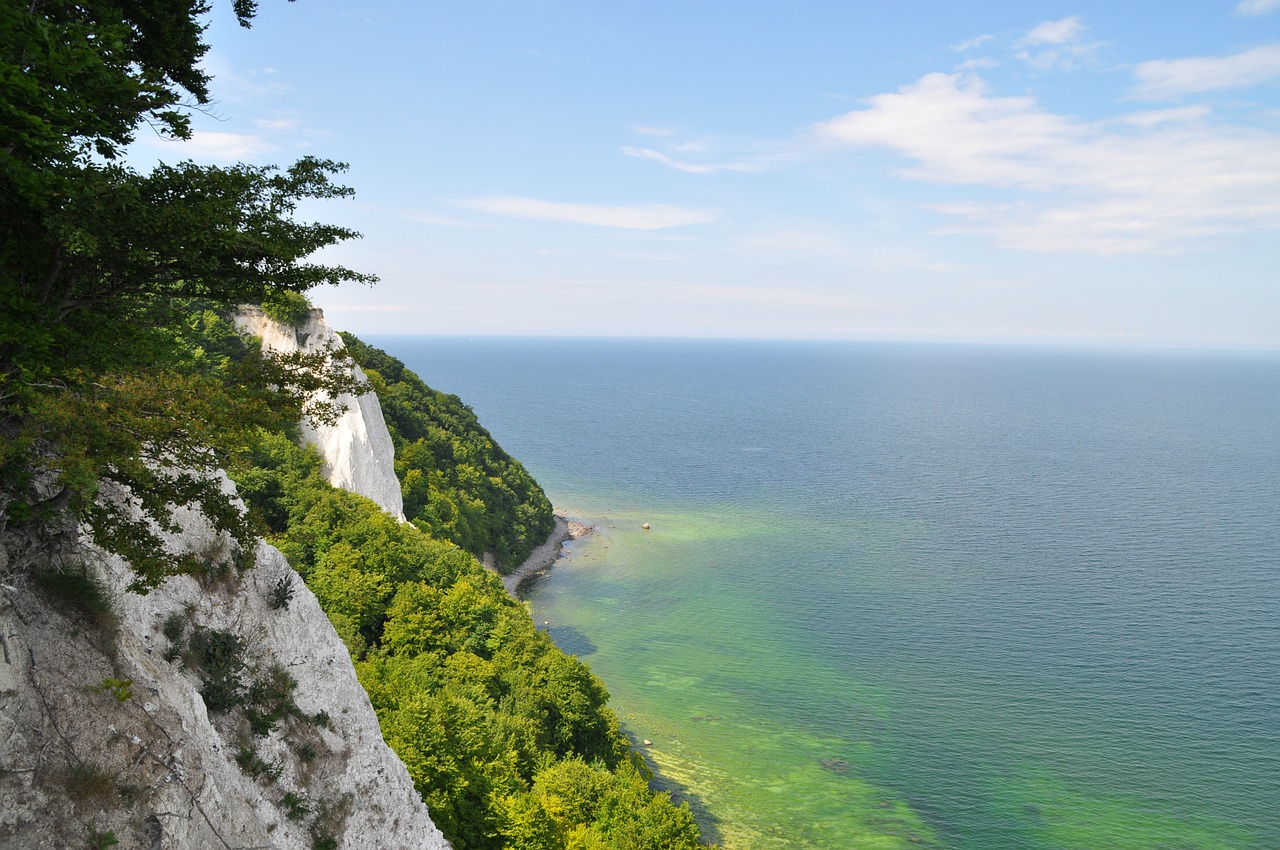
x=542, y=558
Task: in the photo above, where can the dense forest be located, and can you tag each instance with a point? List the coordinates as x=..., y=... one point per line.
x=458, y=484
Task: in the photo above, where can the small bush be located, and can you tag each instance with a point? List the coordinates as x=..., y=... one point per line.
x=121, y=689
x=256, y=767
x=101, y=840
x=282, y=592
x=89, y=783
x=288, y=308
x=296, y=806
x=175, y=626
x=328, y=823
x=80, y=595
x=218, y=657
x=269, y=699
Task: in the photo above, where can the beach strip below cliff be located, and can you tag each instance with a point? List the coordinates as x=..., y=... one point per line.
x=567, y=528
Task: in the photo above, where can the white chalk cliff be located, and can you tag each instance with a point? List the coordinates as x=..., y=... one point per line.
x=357, y=450
x=104, y=732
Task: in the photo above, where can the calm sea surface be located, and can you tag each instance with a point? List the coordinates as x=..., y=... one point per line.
x=907, y=595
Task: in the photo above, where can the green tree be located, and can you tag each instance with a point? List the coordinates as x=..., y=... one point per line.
x=99, y=265
x=457, y=482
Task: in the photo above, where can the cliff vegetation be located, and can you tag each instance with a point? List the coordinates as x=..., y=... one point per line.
x=124, y=389
x=509, y=740
x=458, y=484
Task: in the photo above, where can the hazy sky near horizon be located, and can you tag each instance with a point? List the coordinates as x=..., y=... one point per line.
x=992, y=171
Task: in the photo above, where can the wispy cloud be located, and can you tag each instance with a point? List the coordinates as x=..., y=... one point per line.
x=1055, y=32
x=211, y=145
x=1253, y=8
x=279, y=125
x=707, y=155
x=1178, y=114
x=447, y=221
x=1166, y=79
x=1057, y=44
x=636, y=217
x=659, y=156
x=240, y=85
x=972, y=43
x=692, y=167
x=1103, y=187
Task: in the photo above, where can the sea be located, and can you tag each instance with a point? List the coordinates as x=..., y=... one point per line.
x=915, y=595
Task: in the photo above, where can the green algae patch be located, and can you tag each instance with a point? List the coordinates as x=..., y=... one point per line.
x=742, y=794
x=716, y=740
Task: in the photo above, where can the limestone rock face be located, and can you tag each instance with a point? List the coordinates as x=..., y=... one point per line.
x=108, y=726
x=357, y=450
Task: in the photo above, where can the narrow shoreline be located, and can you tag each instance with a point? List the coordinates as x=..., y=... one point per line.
x=542, y=558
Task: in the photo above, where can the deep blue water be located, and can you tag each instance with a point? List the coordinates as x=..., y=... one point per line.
x=980, y=597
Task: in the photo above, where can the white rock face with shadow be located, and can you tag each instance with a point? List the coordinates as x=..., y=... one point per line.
x=357, y=450
x=104, y=731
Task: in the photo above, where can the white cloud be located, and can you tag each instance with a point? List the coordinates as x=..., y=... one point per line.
x=1055, y=32
x=637, y=217
x=1178, y=114
x=1057, y=44
x=211, y=145
x=1164, y=79
x=692, y=167
x=978, y=63
x=1252, y=8
x=659, y=156
x=377, y=308
x=975, y=42
x=709, y=155
x=1106, y=187
x=447, y=221
x=239, y=85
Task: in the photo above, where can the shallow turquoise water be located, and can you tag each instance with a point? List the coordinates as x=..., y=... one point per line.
x=916, y=595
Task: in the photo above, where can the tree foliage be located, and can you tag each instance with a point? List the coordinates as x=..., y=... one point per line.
x=457, y=482
x=124, y=387
x=105, y=408
x=509, y=740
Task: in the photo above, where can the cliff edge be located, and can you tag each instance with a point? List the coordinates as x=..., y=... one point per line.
x=357, y=450
x=219, y=710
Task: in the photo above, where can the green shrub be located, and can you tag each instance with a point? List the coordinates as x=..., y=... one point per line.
x=80, y=595
x=101, y=840
x=296, y=806
x=256, y=767
x=88, y=783
x=121, y=689
x=288, y=308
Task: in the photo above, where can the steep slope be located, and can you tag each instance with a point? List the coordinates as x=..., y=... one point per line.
x=508, y=739
x=458, y=483
x=357, y=450
x=219, y=710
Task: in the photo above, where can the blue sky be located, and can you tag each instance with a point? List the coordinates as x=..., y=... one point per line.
x=1062, y=173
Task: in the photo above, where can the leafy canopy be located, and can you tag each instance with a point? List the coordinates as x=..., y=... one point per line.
x=510, y=741
x=457, y=482
x=105, y=405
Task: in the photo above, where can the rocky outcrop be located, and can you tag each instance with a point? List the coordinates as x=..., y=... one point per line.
x=168, y=720
x=219, y=710
x=357, y=450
